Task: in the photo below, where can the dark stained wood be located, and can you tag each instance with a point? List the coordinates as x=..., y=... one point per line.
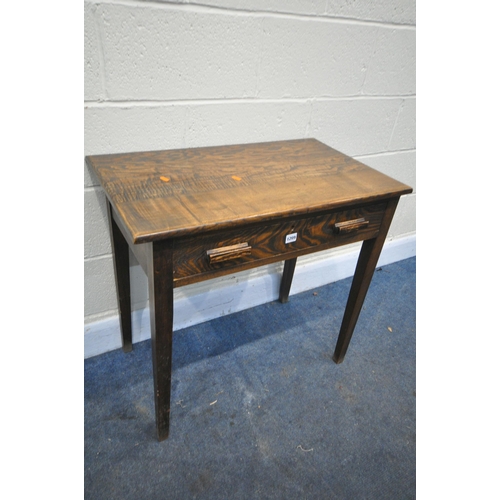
x=268, y=242
x=286, y=279
x=122, y=280
x=141, y=252
x=367, y=261
x=161, y=304
x=193, y=214
x=227, y=186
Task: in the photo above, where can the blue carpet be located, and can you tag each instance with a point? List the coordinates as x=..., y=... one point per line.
x=260, y=410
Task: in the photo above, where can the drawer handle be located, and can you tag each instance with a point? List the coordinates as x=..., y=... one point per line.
x=228, y=253
x=350, y=225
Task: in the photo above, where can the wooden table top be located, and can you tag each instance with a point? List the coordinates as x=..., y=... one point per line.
x=161, y=194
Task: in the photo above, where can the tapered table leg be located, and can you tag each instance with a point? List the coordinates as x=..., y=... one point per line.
x=286, y=279
x=367, y=261
x=161, y=302
x=122, y=280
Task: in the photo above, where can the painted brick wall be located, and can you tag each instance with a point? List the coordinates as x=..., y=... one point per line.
x=162, y=75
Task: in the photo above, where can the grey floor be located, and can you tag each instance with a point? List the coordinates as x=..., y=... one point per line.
x=259, y=409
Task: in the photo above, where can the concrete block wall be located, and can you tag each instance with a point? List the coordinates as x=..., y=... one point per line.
x=174, y=74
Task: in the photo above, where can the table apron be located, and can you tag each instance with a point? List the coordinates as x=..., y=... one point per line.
x=257, y=245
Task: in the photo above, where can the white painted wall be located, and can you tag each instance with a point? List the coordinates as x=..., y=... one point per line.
x=162, y=75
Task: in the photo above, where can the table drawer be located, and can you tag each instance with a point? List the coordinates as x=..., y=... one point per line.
x=227, y=251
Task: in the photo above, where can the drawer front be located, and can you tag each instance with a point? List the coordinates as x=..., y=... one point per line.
x=225, y=252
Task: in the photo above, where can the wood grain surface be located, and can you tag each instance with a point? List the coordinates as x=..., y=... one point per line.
x=163, y=194
x=267, y=242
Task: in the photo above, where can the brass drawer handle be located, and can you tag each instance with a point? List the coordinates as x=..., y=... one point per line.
x=228, y=253
x=350, y=225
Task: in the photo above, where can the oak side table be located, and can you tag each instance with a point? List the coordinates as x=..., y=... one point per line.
x=193, y=214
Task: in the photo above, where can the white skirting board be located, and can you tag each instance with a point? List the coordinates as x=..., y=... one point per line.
x=204, y=301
